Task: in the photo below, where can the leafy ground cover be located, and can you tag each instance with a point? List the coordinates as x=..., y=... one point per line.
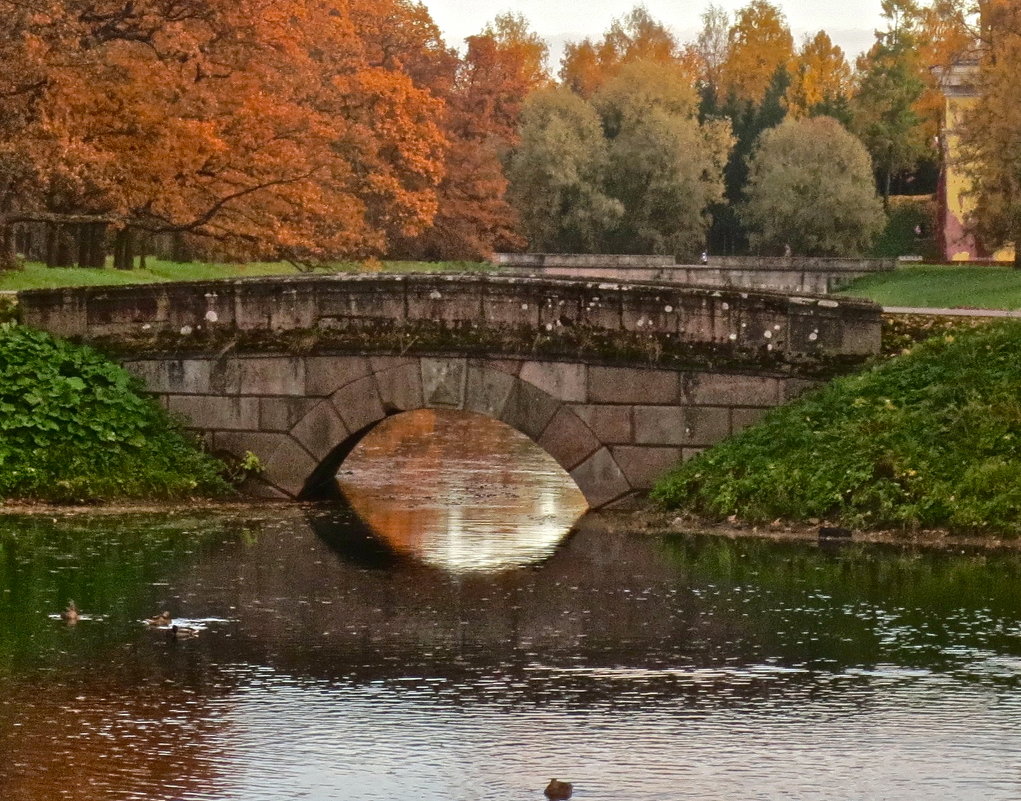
x=929, y=439
x=74, y=427
x=942, y=286
x=38, y=276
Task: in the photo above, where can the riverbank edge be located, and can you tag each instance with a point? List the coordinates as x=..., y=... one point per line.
x=647, y=519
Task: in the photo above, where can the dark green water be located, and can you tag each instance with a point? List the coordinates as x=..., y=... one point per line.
x=333, y=663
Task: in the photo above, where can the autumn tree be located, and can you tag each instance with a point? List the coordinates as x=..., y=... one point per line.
x=664, y=168
x=711, y=47
x=821, y=78
x=885, y=108
x=760, y=44
x=500, y=68
x=276, y=129
x=991, y=134
x=810, y=187
x=557, y=174
x=587, y=65
x=632, y=171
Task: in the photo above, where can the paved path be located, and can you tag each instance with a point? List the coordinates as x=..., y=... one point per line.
x=950, y=312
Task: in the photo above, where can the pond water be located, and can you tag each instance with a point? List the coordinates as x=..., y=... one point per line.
x=416, y=653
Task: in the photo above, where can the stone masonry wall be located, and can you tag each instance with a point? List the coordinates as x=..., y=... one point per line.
x=614, y=429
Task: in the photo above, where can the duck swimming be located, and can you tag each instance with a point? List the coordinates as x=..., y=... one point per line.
x=71, y=613
x=557, y=790
x=164, y=618
x=181, y=633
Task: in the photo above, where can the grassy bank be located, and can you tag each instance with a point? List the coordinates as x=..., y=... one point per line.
x=38, y=276
x=931, y=439
x=74, y=427
x=942, y=286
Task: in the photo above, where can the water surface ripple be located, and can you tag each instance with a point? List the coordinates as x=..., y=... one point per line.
x=340, y=661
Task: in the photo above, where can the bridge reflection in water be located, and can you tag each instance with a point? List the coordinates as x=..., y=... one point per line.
x=460, y=491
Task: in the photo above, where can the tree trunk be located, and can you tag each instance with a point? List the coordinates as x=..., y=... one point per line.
x=179, y=248
x=51, y=244
x=97, y=245
x=8, y=253
x=124, y=250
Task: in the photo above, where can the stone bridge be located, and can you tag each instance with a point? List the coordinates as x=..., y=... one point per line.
x=617, y=382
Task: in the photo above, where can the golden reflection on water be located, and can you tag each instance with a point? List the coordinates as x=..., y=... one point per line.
x=460, y=491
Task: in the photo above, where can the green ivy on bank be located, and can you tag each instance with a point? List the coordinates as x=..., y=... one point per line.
x=75, y=427
x=930, y=439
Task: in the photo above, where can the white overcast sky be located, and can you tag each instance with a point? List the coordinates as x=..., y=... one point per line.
x=849, y=23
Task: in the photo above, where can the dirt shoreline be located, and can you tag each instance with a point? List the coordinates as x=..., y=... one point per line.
x=647, y=519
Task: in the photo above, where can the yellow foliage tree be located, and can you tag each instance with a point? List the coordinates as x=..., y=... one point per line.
x=819, y=75
x=760, y=43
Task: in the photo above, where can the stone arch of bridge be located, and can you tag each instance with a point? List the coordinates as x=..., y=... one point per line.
x=303, y=464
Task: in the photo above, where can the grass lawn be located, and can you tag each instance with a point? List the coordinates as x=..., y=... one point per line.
x=942, y=286
x=927, y=440
x=38, y=276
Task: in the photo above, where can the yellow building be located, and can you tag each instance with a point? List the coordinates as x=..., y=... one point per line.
x=959, y=84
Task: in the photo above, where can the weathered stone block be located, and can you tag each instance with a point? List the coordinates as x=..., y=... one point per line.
x=378, y=364
x=151, y=373
x=564, y=381
x=400, y=388
x=237, y=443
x=742, y=418
x=712, y=389
x=567, y=439
x=632, y=385
x=610, y=424
x=705, y=425
x=216, y=411
x=660, y=425
x=289, y=467
x=600, y=478
x=358, y=404
x=260, y=375
x=529, y=409
x=443, y=382
x=487, y=391
x=321, y=430
x=509, y=366
x=643, y=466
x=324, y=375
x=796, y=387
x=188, y=376
x=280, y=414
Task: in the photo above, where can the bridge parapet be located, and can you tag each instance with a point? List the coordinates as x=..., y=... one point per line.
x=661, y=321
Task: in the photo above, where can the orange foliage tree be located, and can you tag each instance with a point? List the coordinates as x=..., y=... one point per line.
x=278, y=129
x=587, y=65
x=501, y=67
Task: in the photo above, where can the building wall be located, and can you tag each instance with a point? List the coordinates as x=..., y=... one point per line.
x=955, y=206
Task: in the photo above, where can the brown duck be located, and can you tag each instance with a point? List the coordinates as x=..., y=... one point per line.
x=71, y=613
x=557, y=790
